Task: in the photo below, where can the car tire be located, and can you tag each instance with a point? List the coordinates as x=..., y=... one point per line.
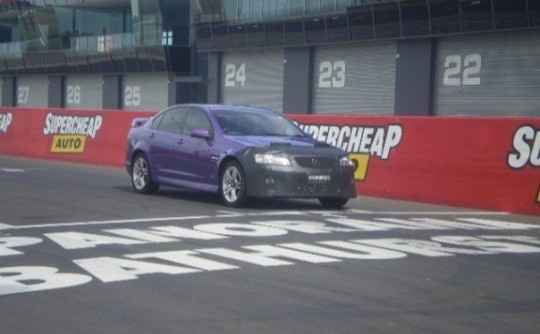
x=333, y=202
x=141, y=177
x=233, y=185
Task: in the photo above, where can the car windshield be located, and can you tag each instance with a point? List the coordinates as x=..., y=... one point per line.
x=235, y=123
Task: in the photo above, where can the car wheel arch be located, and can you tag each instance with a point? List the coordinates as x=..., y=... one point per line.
x=135, y=153
x=224, y=162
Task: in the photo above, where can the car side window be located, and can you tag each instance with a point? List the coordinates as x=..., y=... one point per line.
x=172, y=121
x=156, y=121
x=196, y=119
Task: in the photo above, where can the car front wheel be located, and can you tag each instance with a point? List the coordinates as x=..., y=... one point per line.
x=141, y=177
x=333, y=202
x=233, y=185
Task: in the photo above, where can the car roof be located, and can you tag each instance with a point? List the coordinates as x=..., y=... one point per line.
x=228, y=107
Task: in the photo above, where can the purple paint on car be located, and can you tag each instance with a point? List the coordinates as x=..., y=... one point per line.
x=238, y=152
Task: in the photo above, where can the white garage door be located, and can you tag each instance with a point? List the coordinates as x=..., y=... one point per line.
x=491, y=74
x=253, y=78
x=357, y=79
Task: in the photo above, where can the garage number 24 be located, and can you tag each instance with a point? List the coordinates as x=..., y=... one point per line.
x=235, y=75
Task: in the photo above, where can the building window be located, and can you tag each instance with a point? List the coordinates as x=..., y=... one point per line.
x=167, y=38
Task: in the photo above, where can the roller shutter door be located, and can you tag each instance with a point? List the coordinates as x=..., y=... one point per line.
x=253, y=78
x=32, y=91
x=84, y=92
x=145, y=92
x=358, y=79
x=491, y=74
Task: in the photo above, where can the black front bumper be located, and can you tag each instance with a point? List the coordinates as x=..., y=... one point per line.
x=273, y=181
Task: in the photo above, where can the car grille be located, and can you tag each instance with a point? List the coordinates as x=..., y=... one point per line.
x=316, y=188
x=310, y=162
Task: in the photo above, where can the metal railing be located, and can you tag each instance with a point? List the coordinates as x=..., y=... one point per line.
x=102, y=43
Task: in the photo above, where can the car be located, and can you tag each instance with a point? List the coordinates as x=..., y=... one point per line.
x=239, y=152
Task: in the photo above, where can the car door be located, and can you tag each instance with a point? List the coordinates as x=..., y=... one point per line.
x=164, y=139
x=195, y=156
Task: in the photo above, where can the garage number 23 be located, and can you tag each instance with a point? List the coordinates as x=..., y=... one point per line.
x=332, y=74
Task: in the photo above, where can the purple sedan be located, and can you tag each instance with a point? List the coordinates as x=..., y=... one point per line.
x=238, y=152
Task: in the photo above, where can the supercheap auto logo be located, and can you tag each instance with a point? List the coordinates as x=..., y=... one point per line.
x=362, y=142
x=525, y=150
x=70, y=132
x=5, y=121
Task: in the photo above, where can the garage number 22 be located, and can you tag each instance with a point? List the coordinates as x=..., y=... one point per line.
x=462, y=71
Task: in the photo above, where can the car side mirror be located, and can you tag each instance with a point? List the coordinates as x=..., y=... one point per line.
x=201, y=133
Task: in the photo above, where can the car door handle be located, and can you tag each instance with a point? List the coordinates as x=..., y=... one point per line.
x=151, y=136
x=180, y=141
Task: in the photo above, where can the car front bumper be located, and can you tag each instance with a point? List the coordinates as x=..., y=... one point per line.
x=271, y=181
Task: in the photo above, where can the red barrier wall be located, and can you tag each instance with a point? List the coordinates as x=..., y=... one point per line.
x=88, y=136
x=484, y=163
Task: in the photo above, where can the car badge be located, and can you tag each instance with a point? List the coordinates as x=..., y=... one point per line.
x=315, y=163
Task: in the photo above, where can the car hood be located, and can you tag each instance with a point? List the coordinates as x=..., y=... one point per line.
x=265, y=141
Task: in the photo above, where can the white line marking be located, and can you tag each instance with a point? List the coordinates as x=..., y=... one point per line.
x=106, y=222
x=439, y=213
x=232, y=214
x=5, y=226
x=12, y=170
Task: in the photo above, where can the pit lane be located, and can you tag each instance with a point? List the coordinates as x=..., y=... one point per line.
x=182, y=262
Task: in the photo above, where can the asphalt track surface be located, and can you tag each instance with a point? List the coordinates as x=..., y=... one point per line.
x=81, y=253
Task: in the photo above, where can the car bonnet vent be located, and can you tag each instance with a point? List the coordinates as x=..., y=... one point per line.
x=321, y=144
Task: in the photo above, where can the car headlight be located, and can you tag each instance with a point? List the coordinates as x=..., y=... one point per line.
x=345, y=162
x=271, y=159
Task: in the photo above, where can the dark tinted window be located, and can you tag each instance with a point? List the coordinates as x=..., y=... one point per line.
x=534, y=11
x=477, y=15
x=444, y=16
x=315, y=31
x=415, y=18
x=510, y=14
x=156, y=121
x=256, y=124
x=255, y=35
x=386, y=18
x=337, y=28
x=172, y=121
x=238, y=35
x=294, y=31
x=144, y=61
x=196, y=119
x=220, y=33
x=361, y=22
x=204, y=36
x=274, y=33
